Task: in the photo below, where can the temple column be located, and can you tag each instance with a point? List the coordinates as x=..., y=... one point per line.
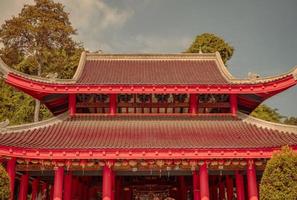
x=24, y=187
x=67, y=187
x=233, y=104
x=229, y=184
x=11, y=173
x=221, y=189
x=193, y=104
x=182, y=188
x=118, y=188
x=58, y=185
x=113, y=185
x=72, y=104
x=239, y=186
x=112, y=104
x=252, y=181
x=107, y=183
x=35, y=185
x=204, y=187
x=52, y=192
x=196, y=191
x=127, y=194
x=44, y=190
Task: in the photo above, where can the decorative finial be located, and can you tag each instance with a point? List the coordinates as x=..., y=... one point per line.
x=200, y=50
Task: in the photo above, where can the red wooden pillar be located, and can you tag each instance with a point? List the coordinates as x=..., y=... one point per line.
x=239, y=186
x=196, y=190
x=52, y=192
x=24, y=187
x=252, y=181
x=118, y=191
x=127, y=194
x=229, y=184
x=113, y=185
x=182, y=188
x=193, y=104
x=11, y=173
x=112, y=104
x=67, y=187
x=44, y=190
x=221, y=189
x=58, y=185
x=72, y=104
x=233, y=104
x=107, y=183
x=204, y=186
x=35, y=185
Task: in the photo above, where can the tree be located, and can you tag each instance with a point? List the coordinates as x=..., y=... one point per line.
x=279, y=180
x=39, y=41
x=4, y=184
x=210, y=43
x=267, y=113
x=291, y=120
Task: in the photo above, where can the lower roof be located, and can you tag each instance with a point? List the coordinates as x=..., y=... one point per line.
x=148, y=132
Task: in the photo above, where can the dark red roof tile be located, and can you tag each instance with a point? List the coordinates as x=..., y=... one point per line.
x=137, y=132
x=155, y=72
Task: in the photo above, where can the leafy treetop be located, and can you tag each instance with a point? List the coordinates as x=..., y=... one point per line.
x=210, y=43
x=279, y=180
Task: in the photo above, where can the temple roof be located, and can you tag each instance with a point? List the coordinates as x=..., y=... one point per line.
x=197, y=73
x=149, y=132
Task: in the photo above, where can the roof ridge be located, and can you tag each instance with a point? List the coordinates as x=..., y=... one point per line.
x=140, y=56
x=80, y=67
x=266, y=124
x=292, y=72
x=40, y=124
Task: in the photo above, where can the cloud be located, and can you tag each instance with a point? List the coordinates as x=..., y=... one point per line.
x=95, y=19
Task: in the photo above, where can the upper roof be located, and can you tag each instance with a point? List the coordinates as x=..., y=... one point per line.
x=194, y=73
x=149, y=69
x=118, y=133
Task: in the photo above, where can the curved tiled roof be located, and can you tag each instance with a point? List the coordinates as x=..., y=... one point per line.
x=149, y=132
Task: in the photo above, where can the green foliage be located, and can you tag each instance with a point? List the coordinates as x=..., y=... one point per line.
x=291, y=120
x=17, y=106
x=210, y=43
x=266, y=113
x=38, y=41
x=4, y=184
x=279, y=180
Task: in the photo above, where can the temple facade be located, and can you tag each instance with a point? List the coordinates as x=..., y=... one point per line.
x=145, y=126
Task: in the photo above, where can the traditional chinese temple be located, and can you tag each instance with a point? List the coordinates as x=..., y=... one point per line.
x=144, y=126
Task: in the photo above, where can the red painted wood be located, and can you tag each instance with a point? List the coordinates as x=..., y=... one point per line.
x=107, y=183
x=35, y=185
x=58, y=185
x=138, y=153
x=222, y=195
x=252, y=181
x=229, y=185
x=62, y=88
x=193, y=104
x=239, y=186
x=68, y=187
x=113, y=185
x=52, y=193
x=24, y=187
x=234, y=104
x=196, y=186
x=204, y=185
x=112, y=104
x=44, y=189
x=118, y=190
x=182, y=188
x=11, y=164
x=72, y=104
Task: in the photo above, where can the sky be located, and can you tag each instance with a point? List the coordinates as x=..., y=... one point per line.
x=263, y=32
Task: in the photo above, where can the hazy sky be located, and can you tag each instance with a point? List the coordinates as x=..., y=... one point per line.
x=263, y=32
